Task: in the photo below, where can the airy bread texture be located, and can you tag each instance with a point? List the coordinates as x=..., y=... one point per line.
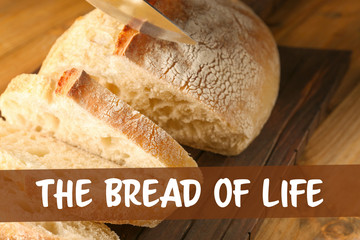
x=215, y=95
x=21, y=149
x=96, y=121
x=31, y=149
x=56, y=231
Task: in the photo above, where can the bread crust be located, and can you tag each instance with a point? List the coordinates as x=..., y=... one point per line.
x=233, y=72
x=234, y=68
x=106, y=106
x=124, y=39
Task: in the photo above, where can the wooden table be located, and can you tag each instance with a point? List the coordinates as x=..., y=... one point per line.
x=29, y=28
x=324, y=24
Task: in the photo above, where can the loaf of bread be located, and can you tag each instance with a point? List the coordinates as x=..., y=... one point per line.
x=87, y=115
x=215, y=95
x=20, y=149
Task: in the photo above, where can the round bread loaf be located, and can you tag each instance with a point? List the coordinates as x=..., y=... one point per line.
x=215, y=95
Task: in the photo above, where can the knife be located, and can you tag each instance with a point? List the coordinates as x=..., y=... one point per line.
x=143, y=17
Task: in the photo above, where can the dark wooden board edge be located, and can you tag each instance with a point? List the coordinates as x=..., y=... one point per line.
x=309, y=78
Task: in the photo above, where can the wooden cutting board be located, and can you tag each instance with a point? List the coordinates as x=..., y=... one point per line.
x=308, y=79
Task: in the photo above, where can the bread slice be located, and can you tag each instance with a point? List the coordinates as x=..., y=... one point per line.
x=21, y=149
x=29, y=149
x=56, y=231
x=215, y=95
x=91, y=118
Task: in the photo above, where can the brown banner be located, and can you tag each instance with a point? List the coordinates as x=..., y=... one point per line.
x=112, y=195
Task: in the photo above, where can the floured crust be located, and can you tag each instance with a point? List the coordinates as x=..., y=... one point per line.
x=106, y=106
x=232, y=73
x=234, y=68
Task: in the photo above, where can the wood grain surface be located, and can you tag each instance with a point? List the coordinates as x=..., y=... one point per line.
x=324, y=24
x=29, y=28
x=341, y=130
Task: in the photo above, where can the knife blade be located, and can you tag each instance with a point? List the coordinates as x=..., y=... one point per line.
x=143, y=17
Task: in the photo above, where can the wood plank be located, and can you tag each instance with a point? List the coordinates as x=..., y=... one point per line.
x=308, y=76
x=341, y=147
x=25, y=38
x=343, y=144
x=310, y=228
x=329, y=24
x=28, y=57
x=18, y=26
x=8, y=7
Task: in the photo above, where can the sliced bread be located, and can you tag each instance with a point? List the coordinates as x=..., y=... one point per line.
x=215, y=95
x=92, y=118
x=30, y=149
x=21, y=149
